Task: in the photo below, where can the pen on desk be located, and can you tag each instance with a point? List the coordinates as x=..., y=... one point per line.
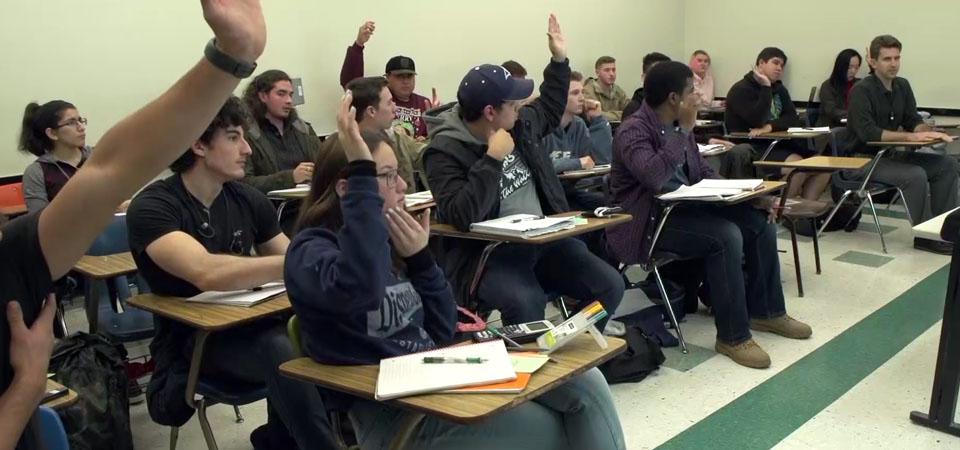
x=255, y=289
x=509, y=341
x=524, y=219
x=451, y=360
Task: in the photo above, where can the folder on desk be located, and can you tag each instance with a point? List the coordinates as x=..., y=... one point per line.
x=714, y=190
x=246, y=297
x=523, y=225
x=409, y=375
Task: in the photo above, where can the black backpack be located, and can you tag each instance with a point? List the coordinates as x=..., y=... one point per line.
x=641, y=358
x=93, y=366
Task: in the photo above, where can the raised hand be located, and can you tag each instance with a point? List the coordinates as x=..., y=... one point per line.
x=238, y=26
x=348, y=131
x=366, y=30
x=555, y=39
x=434, y=100
x=406, y=234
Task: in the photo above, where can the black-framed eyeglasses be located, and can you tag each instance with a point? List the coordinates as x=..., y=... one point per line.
x=390, y=178
x=74, y=122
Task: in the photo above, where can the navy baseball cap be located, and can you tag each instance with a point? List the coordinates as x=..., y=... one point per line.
x=491, y=84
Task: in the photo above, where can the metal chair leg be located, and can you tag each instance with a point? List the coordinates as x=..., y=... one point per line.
x=833, y=212
x=905, y=206
x=666, y=302
x=816, y=246
x=236, y=410
x=876, y=221
x=205, y=425
x=894, y=199
x=174, y=433
x=796, y=257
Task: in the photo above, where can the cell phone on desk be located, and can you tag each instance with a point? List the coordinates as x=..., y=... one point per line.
x=521, y=333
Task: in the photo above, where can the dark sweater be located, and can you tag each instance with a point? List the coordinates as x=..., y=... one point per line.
x=748, y=106
x=353, y=307
x=873, y=109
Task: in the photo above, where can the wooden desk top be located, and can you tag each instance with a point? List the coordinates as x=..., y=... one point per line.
x=11, y=211
x=819, y=163
x=107, y=266
x=781, y=135
x=361, y=381
x=584, y=173
x=421, y=206
x=208, y=316
x=917, y=144
x=60, y=402
x=593, y=224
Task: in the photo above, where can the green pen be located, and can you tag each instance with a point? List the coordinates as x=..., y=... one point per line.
x=451, y=360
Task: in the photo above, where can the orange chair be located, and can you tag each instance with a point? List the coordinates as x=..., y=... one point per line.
x=11, y=200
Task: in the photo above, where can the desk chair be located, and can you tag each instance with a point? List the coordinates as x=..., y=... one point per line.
x=11, y=196
x=112, y=316
x=655, y=260
x=864, y=189
x=52, y=433
x=407, y=426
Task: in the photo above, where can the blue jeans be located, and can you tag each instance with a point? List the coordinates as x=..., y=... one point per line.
x=253, y=354
x=725, y=237
x=519, y=279
x=578, y=414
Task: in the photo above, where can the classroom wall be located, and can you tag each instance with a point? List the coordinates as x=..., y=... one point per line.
x=812, y=33
x=110, y=56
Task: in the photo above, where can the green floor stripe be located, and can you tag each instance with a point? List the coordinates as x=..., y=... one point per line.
x=771, y=411
x=884, y=212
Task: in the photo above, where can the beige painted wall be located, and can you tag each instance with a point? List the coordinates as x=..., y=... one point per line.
x=812, y=32
x=111, y=56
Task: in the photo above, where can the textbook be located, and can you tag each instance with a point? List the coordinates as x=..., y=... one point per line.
x=246, y=297
x=714, y=190
x=523, y=226
x=410, y=375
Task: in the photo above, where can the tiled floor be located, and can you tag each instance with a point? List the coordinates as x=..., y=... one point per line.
x=705, y=388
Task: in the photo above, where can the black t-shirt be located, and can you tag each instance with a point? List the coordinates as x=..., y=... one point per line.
x=24, y=276
x=239, y=218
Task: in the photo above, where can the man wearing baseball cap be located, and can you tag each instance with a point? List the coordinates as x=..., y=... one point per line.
x=401, y=74
x=487, y=160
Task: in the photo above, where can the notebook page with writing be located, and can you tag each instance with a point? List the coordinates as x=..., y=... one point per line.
x=409, y=375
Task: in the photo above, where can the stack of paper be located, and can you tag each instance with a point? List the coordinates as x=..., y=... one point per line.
x=410, y=375
x=247, y=297
x=709, y=150
x=808, y=130
x=714, y=190
x=417, y=198
x=523, y=225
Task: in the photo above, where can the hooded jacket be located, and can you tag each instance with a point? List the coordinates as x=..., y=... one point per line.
x=43, y=179
x=465, y=181
x=748, y=106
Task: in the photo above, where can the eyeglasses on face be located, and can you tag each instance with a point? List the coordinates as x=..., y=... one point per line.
x=390, y=178
x=75, y=122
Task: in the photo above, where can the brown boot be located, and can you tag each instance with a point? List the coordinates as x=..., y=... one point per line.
x=746, y=353
x=784, y=325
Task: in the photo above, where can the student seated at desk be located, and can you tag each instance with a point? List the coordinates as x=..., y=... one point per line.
x=401, y=75
x=40, y=247
x=56, y=134
x=649, y=60
x=702, y=78
x=283, y=145
x=365, y=287
x=487, y=160
x=604, y=89
x=883, y=108
x=571, y=147
x=196, y=231
x=835, y=91
x=375, y=112
x=653, y=155
x=760, y=103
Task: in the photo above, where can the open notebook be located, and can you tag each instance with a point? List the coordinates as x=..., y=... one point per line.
x=409, y=375
x=714, y=190
x=246, y=297
x=523, y=225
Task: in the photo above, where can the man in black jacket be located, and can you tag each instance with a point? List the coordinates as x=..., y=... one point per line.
x=760, y=103
x=487, y=160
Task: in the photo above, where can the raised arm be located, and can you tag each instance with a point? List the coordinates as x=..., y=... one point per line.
x=352, y=67
x=144, y=143
x=549, y=106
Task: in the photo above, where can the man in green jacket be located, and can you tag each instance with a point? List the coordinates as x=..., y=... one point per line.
x=604, y=89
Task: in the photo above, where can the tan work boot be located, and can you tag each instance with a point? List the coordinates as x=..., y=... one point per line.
x=784, y=325
x=746, y=353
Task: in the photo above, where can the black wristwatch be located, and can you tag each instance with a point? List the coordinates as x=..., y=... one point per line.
x=227, y=63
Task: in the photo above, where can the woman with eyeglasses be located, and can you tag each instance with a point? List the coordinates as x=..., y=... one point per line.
x=56, y=134
x=365, y=287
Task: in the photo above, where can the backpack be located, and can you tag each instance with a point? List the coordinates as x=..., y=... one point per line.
x=641, y=358
x=93, y=366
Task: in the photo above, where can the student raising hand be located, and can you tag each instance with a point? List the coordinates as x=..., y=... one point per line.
x=238, y=26
x=348, y=131
x=366, y=30
x=407, y=234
